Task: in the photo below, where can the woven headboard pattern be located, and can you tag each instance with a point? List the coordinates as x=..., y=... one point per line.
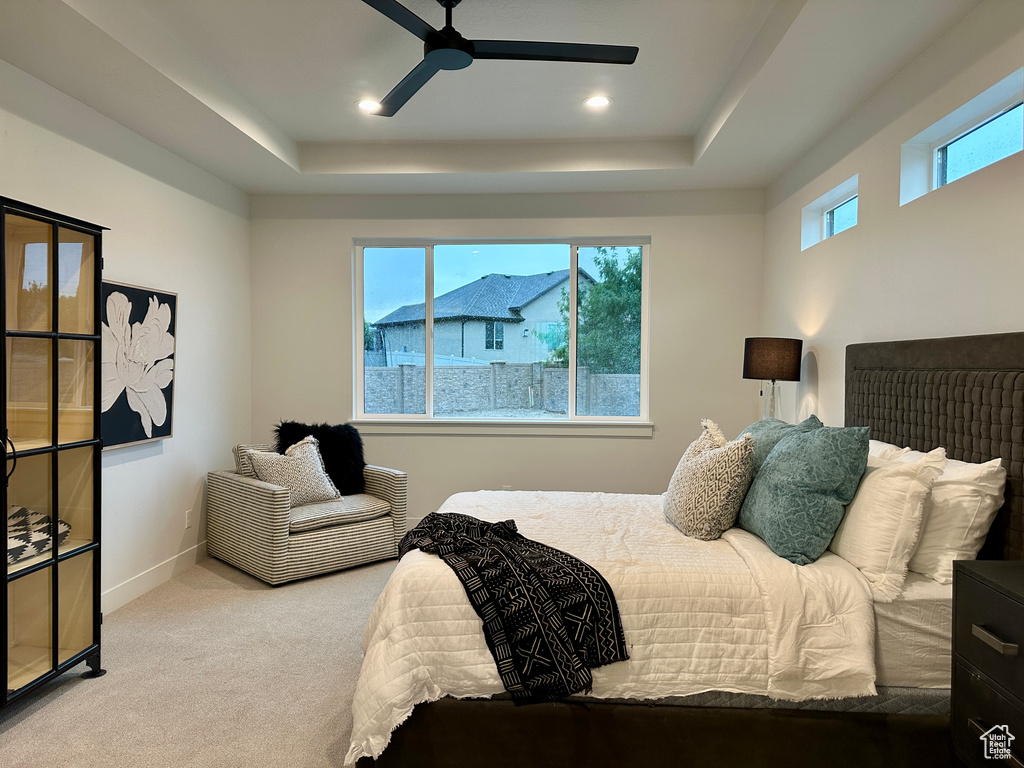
x=914, y=393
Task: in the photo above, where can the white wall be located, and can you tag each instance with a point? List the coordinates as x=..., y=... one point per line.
x=947, y=264
x=160, y=237
x=706, y=269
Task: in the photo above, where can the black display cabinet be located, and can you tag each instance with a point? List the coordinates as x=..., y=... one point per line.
x=51, y=383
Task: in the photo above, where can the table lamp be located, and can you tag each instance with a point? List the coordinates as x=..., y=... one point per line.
x=771, y=360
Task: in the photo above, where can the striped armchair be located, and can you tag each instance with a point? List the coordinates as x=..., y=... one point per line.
x=253, y=526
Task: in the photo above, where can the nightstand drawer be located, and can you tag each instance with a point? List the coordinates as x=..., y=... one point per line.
x=990, y=632
x=977, y=708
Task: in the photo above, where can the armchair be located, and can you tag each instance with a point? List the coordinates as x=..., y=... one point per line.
x=253, y=526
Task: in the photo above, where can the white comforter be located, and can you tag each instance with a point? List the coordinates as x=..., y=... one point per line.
x=724, y=615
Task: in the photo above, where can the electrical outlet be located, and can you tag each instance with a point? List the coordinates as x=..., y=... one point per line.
x=188, y=518
x=506, y=487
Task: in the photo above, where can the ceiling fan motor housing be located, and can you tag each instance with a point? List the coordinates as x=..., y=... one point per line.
x=448, y=49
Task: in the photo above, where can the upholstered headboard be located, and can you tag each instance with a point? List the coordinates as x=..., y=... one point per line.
x=964, y=393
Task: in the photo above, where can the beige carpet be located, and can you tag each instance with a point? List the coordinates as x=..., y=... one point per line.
x=213, y=668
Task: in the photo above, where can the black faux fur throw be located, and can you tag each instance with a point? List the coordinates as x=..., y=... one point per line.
x=340, y=447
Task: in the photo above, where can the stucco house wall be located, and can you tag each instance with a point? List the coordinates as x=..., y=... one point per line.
x=467, y=338
x=518, y=348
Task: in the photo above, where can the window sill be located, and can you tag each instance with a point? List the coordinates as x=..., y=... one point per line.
x=498, y=428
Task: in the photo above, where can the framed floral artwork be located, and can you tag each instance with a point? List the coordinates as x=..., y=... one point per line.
x=137, y=372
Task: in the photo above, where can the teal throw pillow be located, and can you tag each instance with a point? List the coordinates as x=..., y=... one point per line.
x=768, y=432
x=798, y=499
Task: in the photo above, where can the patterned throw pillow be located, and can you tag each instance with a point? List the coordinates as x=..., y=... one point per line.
x=28, y=533
x=300, y=470
x=768, y=432
x=798, y=498
x=710, y=481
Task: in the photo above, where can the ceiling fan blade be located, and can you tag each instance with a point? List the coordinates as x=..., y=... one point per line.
x=406, y=89
x=402, y=16
x=537, y=51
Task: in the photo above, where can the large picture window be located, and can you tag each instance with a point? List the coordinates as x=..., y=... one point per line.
x=499, y=331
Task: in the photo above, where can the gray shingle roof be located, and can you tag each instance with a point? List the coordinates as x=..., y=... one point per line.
x=492, y=297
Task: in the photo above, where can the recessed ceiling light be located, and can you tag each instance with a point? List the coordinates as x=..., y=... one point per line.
x=368, y=105
x=597, y=102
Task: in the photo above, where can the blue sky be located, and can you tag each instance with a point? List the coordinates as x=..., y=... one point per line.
x=37, y=266
x=993, y=141
x=393, y=277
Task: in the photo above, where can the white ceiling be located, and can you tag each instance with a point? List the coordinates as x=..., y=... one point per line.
x=261, y=93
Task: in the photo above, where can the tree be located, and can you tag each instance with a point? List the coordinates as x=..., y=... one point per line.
x=607, y=315
x=32, y=307
x=369, y=335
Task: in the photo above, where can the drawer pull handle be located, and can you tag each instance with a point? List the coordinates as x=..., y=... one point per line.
x=980, y=730
x=993, y=641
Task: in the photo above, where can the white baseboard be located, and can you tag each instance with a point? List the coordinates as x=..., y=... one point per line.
x=126, y=591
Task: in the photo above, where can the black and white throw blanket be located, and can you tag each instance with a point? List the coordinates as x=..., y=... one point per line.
x=548, y=617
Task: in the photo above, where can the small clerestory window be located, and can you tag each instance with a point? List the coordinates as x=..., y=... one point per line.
x=843, y=216
x=997, y=137
x=980, y=133
x=830, y=214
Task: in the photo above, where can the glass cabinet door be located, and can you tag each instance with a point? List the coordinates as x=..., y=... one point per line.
x=29, y=511
x=76, y=361
x=29, y=386
x=76, y=281
x=29, y=267
x=76, y=496
x=74, y=605
x=29, y=628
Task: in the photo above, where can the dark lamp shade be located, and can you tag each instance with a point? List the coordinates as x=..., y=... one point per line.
x=774, y=359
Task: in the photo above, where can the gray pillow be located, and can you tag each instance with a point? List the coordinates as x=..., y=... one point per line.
x=708, y=486
x=767, y=433
x=797, y=500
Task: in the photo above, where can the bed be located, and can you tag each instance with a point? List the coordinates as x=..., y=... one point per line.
x=813, y=680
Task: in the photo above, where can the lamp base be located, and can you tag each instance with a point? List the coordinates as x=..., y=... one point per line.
x=769, y=400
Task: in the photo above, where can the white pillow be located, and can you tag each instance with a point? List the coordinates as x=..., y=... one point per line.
x=885, y=450
x=963, y=503
x=300, y=469
x=709, y=483
x=883, y=522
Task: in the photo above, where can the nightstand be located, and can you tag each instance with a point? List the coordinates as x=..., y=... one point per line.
x=988, y=662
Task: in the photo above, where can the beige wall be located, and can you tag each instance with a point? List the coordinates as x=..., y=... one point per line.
x=159, y=237
x=949, y=263
x=706, y=278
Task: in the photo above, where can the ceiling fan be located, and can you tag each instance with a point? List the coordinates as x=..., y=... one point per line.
x=447, y=49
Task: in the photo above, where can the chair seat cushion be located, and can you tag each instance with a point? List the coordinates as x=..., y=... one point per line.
x=327, y=514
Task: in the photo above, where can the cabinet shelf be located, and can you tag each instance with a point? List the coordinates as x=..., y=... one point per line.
x=26, y=663
x=23, y=444
x=68, y=545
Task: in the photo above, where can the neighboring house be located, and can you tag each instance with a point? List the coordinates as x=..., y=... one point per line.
x=498, y=317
